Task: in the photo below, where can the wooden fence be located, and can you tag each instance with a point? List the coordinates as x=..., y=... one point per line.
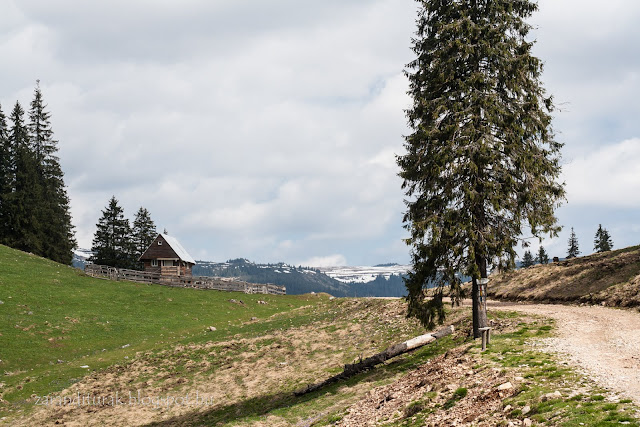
x=198, y=282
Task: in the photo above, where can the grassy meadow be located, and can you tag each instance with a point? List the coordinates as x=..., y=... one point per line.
x=63, y=333
x=54, y=319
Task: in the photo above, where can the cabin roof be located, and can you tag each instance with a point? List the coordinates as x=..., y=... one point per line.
x=178, y=249
x=174, y=247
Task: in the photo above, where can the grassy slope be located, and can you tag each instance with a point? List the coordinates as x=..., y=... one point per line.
x=53, y=320
x=255, y=364
x=611, y=277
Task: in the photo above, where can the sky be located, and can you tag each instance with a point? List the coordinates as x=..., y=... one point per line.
x=268, y=130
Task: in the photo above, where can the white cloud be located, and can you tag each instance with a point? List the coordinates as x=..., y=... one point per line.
x=326, y=261
x=608, y=176
x=269, y=130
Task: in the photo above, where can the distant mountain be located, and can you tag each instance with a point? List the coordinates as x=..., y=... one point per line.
x=298, y=280
x=339, y=282
x=80, y=257
x=365, y=274
x=379, y=281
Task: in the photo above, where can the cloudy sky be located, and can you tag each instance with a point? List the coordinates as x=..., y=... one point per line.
x=268, y=129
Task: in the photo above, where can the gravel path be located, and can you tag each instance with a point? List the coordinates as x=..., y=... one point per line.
x=604, y=342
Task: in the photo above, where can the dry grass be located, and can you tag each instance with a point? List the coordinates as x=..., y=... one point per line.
x=229, y=375
x=610, y=277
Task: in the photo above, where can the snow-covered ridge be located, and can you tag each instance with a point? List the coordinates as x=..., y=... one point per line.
x=364, y=274
x=82, y=253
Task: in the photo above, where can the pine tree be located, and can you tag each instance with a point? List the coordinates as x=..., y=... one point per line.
x=112, y=241
x=573, y=250
x=607, y=243
x=6, y=178
x=144, y=232
x=481, y=160
x=25, y=201
x=602, y=241
x=527, y=259
x=542, y=257
x=57, y=237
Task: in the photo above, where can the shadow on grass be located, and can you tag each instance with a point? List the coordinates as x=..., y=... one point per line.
x=255, y=408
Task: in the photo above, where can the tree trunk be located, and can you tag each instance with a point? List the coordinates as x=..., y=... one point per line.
x=479, y=298
x=368, y=363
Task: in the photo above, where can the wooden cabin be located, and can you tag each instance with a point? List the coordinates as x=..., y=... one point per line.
x=167, y=257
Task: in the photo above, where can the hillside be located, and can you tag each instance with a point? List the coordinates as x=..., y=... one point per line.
x=612, y=278
x=54, y=320
x=81, y=351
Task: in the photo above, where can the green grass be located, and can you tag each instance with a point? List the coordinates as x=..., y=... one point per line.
x=457, y=395
x=54, y=319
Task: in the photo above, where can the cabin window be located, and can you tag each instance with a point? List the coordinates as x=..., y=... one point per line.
x=154, y=263
x=159, y=243
x=167, y=263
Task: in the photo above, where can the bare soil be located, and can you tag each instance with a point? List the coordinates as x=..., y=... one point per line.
x=603, y=342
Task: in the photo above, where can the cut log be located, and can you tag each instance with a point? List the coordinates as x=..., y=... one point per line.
x=368, y=363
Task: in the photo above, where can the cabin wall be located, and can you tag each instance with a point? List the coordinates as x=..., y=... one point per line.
x=184, y=268
x=148, y=267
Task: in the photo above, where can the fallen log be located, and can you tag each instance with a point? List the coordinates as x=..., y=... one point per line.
x=368, y=363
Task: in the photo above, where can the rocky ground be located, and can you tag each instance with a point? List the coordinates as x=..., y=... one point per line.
x=452, y=379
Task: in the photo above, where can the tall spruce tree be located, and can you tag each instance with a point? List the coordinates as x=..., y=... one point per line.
x=57, y=237
x=144, y=233
x=481, y=163
x=573, y=250
x=6, y=177
x=25, y=201
x=602, y=241
x=112, y=241
x=542, y=257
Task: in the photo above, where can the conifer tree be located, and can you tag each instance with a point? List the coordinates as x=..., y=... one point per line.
x=542, y=257
x=144, y=232
x=602, y=241
x=25, y=201
x=57, y=235
x=112, y=239
x=607, y=243
x=527, y=259
x=481, y=162
x=6, y=177
x=573, y=250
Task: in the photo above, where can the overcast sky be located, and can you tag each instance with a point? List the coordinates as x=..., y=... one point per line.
x=268, y=129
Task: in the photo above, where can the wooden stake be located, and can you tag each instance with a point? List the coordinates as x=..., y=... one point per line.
x=486, y=337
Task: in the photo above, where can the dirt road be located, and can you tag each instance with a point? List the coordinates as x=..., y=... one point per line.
x=604, y=342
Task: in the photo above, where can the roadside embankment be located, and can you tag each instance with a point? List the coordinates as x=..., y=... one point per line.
x=610, y=278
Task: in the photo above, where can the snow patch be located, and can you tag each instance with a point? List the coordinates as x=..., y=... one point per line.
x=364, y=274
